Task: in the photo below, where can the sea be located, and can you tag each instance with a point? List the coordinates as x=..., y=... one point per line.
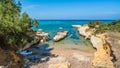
x=52, y=27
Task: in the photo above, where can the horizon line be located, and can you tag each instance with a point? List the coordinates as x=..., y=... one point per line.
x=79, y=19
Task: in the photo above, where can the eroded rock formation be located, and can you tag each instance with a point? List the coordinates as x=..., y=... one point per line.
x=84, y=30
x=114, y=40
x=102, y=57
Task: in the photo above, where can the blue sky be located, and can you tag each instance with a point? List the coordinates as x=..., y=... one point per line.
x=72, y=9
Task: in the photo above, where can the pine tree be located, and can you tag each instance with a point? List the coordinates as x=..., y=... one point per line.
x=13, y=25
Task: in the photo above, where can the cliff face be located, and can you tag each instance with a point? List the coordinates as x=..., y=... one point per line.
x=114, y=40
x=84, y=30
x=96, y=41
x=102, y=56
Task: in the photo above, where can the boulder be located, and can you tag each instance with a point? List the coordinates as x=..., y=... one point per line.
x=60, y=35
x=44, y=36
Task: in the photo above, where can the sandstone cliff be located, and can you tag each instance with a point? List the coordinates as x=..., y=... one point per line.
x=114, y=40
x=102, y=56
x=84, y=30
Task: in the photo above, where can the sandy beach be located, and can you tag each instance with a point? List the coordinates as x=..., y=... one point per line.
x=78, y=56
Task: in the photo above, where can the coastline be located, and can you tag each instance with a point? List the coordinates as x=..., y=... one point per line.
x=71, y=50
x=106, y=54
x=74, y=53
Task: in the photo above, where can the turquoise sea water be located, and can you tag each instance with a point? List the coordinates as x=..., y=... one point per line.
x=52, y=27
x=72, y=41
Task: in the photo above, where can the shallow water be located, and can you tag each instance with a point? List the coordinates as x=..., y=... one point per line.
x=52, y=27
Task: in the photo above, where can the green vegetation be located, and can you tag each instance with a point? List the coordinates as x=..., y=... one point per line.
x=14, y=26
x=114, y=26
x=103, y=27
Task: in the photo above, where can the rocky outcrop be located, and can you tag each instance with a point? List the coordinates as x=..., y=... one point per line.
x=60, y=35
x=43, y=36
x=113, y=38
x=84, y=30
x=102, y=57
x=96, y=41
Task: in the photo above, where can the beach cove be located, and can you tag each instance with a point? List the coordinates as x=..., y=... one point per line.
x=74, y=48
x=59, y=34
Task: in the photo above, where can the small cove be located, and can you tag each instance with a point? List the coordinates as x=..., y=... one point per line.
x=73, y=43
x=52, y=27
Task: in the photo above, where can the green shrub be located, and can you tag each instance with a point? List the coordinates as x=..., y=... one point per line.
x=103, y=27
x=14, y=26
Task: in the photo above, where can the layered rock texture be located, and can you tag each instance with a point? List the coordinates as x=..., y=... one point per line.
x=114, y=40
x=84, y=30
x=107, y=46
x=102, y=57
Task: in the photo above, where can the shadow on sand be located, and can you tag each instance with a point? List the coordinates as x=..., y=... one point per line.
x=40, y=53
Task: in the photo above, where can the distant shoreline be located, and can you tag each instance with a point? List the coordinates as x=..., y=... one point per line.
x=70, y=20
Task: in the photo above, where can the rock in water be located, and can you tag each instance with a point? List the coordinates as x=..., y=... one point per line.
x=76, y=26
x=102, y=56
x=60, y=36
x=60, y=65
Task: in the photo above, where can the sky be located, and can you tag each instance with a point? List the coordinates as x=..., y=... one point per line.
x=72, y=9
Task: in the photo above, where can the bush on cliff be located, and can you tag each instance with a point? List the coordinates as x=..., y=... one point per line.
x=114, y=26
x=103, y=27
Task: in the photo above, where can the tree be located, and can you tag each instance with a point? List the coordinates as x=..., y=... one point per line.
x=14, y=25
x=35, y=23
